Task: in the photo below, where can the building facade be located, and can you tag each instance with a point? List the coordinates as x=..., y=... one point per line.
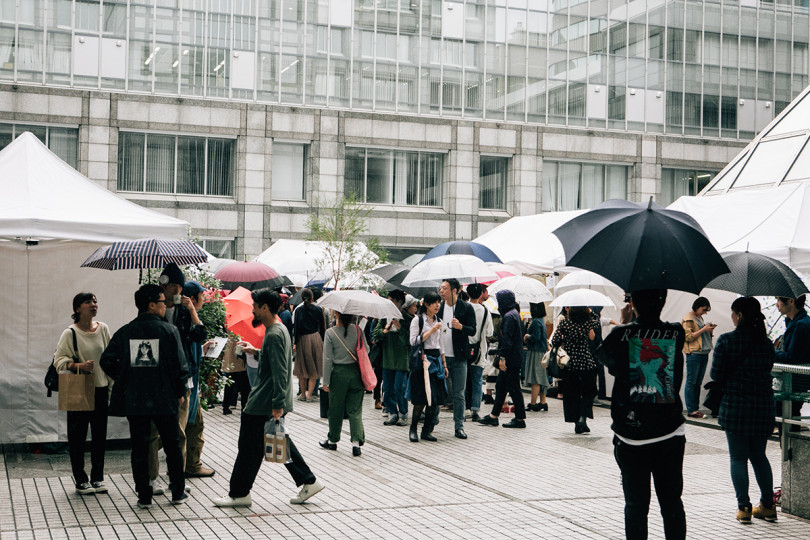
x=447, y=117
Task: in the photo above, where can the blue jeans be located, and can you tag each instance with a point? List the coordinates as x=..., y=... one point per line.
x=741, y=450
x=695, y=370
x=457, y=367
x=251, y=375
x=476, y=381
x=393, y=387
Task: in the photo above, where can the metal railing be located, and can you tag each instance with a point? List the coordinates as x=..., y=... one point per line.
x=784, y=392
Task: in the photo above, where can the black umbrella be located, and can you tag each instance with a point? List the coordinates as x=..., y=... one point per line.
x=753, y=274
x=641, y=247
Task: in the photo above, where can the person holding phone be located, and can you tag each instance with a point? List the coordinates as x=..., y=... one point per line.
x=696, y=348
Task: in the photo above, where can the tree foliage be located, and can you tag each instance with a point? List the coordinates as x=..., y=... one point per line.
x=349, y=253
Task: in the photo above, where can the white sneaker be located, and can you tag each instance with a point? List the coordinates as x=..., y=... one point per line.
x=233, y=502
x=160, y=489
x=306, y=492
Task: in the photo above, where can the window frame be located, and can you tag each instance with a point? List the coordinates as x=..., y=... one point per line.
x=47, y=142
x=363, y=197
x=177, y=136
x=504, y=187
x=557, y=191
x=304, y=169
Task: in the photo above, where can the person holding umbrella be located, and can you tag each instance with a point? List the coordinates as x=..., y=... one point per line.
x=341, y=378
x=646, y=359
x=698, y=335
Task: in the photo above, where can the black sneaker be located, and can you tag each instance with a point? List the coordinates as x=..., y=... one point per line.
x=515, y=423
x=488, y=421
x=99, y=487
x=180, y=499
x=328, y=445
x=144, y=503
x=475, y=417
x=85, y=488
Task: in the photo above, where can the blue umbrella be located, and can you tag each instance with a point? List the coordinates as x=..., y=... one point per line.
x=463, y=247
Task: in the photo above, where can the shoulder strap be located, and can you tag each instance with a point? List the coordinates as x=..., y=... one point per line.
x=75, y=346
x=353, y=354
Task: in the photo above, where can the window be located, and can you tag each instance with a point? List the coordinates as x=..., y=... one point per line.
x=493, y=178
x=62, y=141
x=381, y=176
x=572, y=186
x=288, y=171
x=154, y=163
x=219, y=248
x=676, y=183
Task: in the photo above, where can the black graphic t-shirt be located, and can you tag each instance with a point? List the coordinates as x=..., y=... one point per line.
x=647, y=362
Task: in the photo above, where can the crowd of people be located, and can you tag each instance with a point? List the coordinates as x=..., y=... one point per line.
x=447, y=351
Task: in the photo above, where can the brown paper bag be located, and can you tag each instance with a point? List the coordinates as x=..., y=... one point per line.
x=77, y=392
x=230, y=362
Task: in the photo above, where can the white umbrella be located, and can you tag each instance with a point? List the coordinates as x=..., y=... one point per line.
x=465, y=268
x=582, y=297
x=584, y=279
x=360, y=303
x=504, y=270
x=526, y=289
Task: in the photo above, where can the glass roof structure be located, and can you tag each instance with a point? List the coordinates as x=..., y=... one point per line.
x=779, y=154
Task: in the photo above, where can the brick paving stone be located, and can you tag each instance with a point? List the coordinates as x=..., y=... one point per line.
x=541, y=482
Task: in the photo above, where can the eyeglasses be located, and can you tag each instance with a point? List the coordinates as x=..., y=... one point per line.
x=160, y=301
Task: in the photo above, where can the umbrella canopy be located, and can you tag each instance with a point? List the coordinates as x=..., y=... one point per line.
x=239, y=316
x=463, y=247
x=641, y=247
x=251, y=275
x=583, y=279
x=753, y=274
x=146, y=253
x=504, y=270
x=582, y=297
x=527, y=290
x=392, y=273
x=465, y=268
x=360, y=303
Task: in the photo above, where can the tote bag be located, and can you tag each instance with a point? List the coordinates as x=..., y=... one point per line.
x=366, y=371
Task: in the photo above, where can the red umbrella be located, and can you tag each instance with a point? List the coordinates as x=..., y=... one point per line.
x=251, y=275
x=239, y=315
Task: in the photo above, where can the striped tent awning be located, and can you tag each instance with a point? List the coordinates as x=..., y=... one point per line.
x=146, y=253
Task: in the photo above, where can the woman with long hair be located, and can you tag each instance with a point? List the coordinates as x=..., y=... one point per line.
x=426, y=331
x=341, y=378
x=91, y=338
x=308, y=328
x=696, y=351
x=742, y=364
x=574, y=335
x=536, y=345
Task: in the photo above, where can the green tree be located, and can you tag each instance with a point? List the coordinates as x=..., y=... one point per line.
x=349, y=253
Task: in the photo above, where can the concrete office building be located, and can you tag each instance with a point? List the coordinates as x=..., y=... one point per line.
x=447, y=116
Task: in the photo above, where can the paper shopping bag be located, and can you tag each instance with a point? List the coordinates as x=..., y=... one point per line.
x=275, y=441
x=77, y=392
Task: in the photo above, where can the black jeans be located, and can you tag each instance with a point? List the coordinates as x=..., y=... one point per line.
x=509, y=382
x=251, y=454
x=239, y=385
x=140, y=428
x=664, y=462
x=77, y=423
x=579, y=389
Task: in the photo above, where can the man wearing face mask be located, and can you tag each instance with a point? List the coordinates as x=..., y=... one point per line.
x=180, y=313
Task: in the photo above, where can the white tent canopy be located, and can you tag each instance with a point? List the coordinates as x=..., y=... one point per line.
x=43, y=198
x=773, y=222
x=526, y=242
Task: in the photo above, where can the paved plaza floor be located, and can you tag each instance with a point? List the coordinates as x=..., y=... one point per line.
x=540, y=482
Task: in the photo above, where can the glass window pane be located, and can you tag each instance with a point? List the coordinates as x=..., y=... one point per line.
x=768, y=161
x=64, y=142
x=355, y=174
x=288, y=171
x=593, y=183
x=378, y=176
x=430, y=174
x=569, y=186
x=616, y=182
x=549, y=199
x=130, y=161
x=493, y=178
x=160, y=163
x=220, y=167
x=191, y=165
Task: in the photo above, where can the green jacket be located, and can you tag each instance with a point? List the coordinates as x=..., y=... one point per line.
x=272, y=388
x=395, y=344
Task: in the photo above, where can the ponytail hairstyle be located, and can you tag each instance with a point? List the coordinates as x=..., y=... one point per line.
x=307, y=296
x=751, y=318
x=345, y=321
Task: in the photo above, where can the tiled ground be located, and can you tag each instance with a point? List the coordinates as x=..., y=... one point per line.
x=541, y=482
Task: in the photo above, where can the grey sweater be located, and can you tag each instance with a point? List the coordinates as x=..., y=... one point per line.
x=338, y=349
